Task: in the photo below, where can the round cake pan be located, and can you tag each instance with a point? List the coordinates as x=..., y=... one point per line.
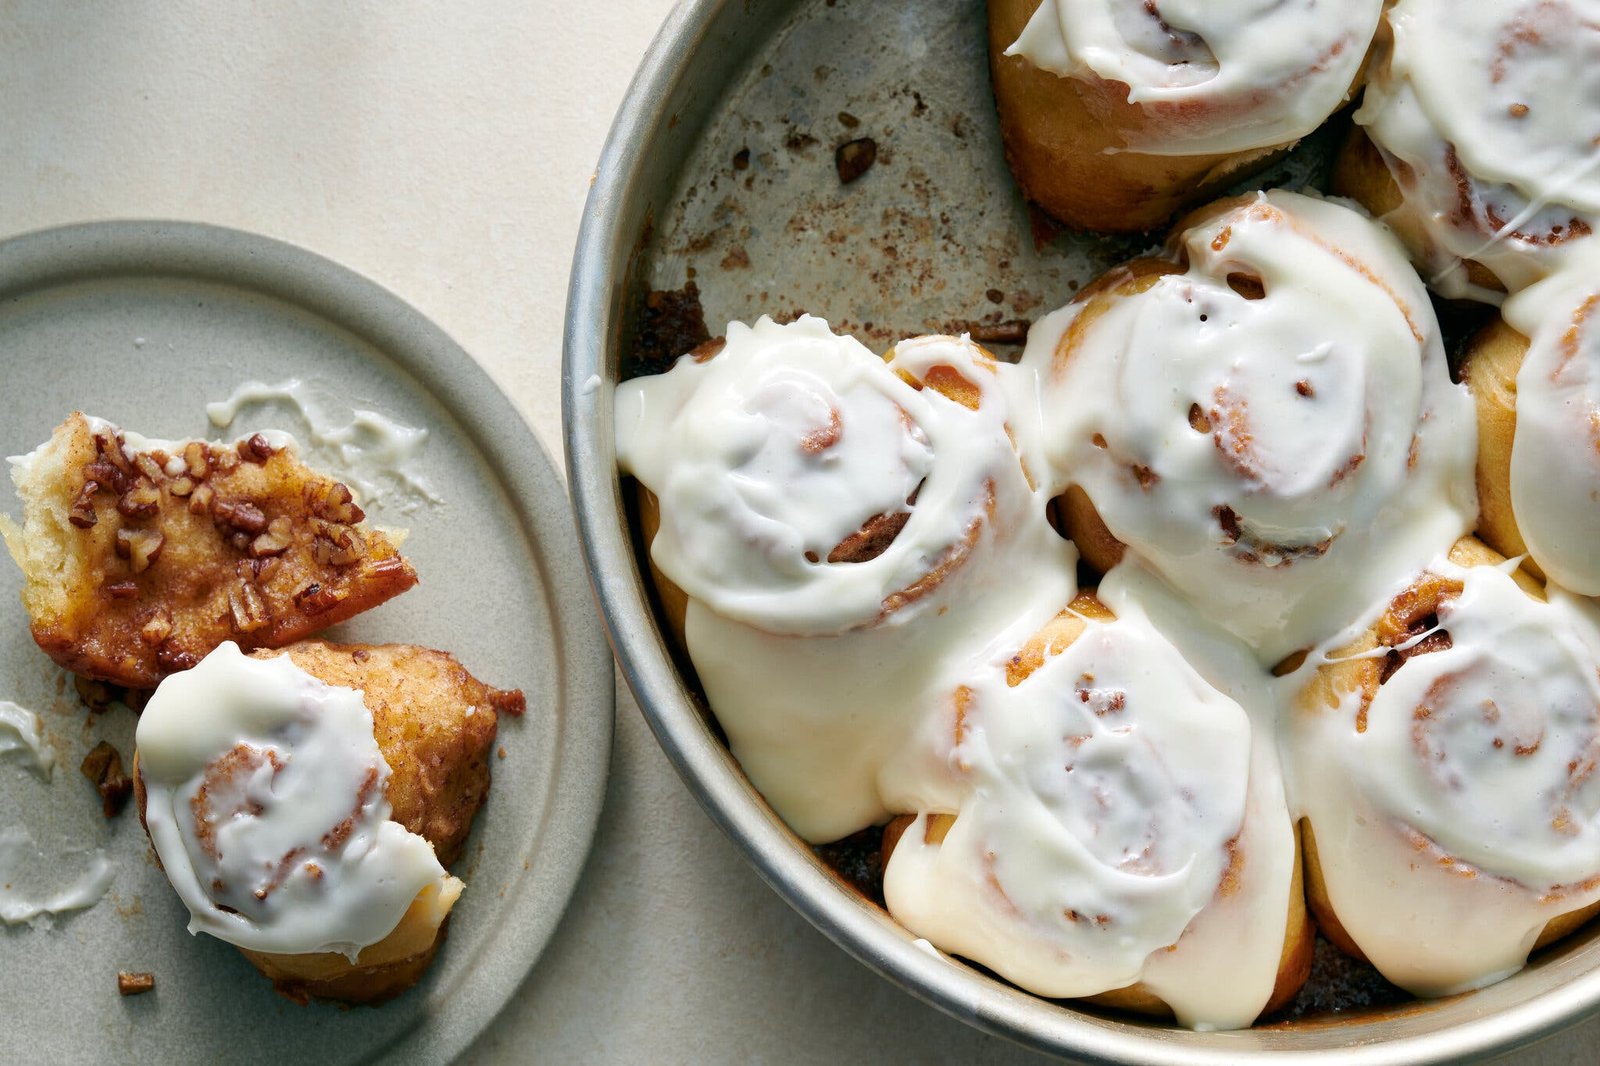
x=719, y=171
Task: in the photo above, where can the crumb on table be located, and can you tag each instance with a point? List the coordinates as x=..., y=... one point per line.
x=135, y=984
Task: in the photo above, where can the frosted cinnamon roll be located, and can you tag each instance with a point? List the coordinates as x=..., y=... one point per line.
x=1447, y=777
x=1109, y=825
x=835, y=524
x=1116, y=113
x=1265, y=418
x=305, y=821
x=1535, y=377
x=1484, y=127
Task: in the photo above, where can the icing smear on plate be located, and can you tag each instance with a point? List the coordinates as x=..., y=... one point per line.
x=32, y=885
x=375, y=454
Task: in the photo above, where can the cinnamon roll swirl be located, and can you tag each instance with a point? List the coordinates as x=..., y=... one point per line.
x=1116, y=113
x=1535, y=377
x=1109, y=825
x=828, y=520
x=1447, y=776
x=1265, y=418
x=1484, y=127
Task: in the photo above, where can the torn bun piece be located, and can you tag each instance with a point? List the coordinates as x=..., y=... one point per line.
x=140, y=556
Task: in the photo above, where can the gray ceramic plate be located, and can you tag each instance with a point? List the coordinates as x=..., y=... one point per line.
x=143, y=323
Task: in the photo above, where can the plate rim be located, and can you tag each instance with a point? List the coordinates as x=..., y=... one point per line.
x=529, y=478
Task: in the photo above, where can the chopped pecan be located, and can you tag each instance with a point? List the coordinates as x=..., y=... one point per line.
x=157, y=629
x=225, y=459
x=249, y=610
x=510, y=702
x=172, y=660
x=337, y=545
x=181, y=486
x=142, y=501
x=110, y=445
x=135, y=984
x=123, y=590
x=82, y=513
x=140, y=547
x=197, y=457
x=256, y=449
x=103, y=767
x=263, y=569
x=316, y=598
x=200, y=499
x=238, y=516
x=278, y=538
x=335, y=503
x=149, y=467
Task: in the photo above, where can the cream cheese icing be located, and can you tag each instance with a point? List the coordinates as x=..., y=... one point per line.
x=1464, y=796
x=1218, y=76
x=1273, y=429
x=1558, y=426
x=22, y=739
x=35, y=884
x=766, y=459
x=376, y=455
x=1486, y=114
x=1116, y=821
x=266, y=806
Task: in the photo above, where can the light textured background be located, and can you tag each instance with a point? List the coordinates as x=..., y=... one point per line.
x=445, y=150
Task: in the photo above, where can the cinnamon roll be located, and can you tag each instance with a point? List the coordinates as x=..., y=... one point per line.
x=1116, y=113
x=140, y=556
x=1535, y=377
x=1109, y=826
x=1447, y=776
x=833, y=525
x=307, y=822
x=1265, y=418
x=1484, y=128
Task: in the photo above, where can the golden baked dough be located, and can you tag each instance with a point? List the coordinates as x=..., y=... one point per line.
x=1062, y=142
x=134, y=572
x=1489, y=370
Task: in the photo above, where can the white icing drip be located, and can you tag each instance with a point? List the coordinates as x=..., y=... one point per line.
x=35, y=884
x=1558, y=427
x=1294, y=501
x=1470, y=801
x=1506, y=91
x=133, y=443
x=1214, y=76
x=297, y=843
x=820, y=671
x=22, y=739
x=1099, y=802
x=373, y=454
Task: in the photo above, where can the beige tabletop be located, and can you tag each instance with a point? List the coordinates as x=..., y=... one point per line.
x=445, y=151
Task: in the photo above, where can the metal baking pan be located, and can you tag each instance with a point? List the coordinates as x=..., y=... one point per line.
x=721, y=173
